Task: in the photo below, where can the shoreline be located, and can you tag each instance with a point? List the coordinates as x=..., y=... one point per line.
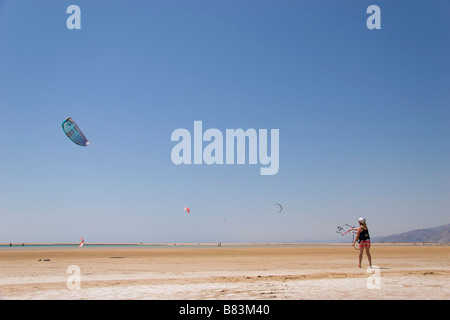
x=15, y=244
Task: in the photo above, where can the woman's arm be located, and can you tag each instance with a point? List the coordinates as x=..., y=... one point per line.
x=357, y=235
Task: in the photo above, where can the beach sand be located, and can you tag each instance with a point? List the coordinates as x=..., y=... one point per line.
x=230, y=272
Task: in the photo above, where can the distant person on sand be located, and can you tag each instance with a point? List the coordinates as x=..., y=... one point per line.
x=363, y=238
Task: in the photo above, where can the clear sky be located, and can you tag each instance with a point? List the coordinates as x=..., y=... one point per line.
x=363, y=117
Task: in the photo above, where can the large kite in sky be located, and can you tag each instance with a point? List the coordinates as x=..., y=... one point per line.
x=74, y=132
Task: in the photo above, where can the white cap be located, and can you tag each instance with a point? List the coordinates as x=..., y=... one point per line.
x=362, y=220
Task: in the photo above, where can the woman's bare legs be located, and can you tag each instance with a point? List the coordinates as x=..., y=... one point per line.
x=361, y=250
x=369, y=257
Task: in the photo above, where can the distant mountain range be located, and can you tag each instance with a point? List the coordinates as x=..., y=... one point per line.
x=437, y=234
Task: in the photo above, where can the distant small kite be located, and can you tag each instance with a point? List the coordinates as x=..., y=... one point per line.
x=74, y=132
x=187, y=209
x=81, y=243
x=279, y=205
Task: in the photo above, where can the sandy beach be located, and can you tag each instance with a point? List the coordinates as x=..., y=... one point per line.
x=245, y=272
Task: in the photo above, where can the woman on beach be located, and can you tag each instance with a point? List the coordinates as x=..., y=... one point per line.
x=362, y=236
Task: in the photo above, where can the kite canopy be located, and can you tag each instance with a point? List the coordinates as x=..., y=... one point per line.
x=187, y=209
x=74, y=133
x=278, y=205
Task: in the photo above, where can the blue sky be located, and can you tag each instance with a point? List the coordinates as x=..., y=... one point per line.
x=363, y=116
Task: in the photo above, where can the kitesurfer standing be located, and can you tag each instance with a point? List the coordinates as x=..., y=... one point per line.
x=363, y=238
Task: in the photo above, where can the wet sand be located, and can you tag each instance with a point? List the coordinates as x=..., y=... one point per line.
x=273, y=272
